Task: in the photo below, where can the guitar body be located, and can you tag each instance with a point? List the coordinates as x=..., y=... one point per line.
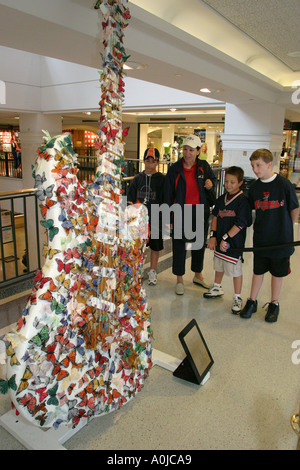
x=83, y=344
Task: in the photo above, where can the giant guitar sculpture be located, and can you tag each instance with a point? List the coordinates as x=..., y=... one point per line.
x=83, y=344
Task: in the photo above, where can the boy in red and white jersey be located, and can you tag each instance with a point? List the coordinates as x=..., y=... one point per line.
x=231, y=217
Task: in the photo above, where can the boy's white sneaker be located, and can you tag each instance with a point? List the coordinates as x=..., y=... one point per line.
x=236, y=305
x=179, y=288
x=214, y=292
x=152, y=277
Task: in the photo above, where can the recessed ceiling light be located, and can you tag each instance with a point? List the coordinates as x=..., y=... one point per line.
x=208, y=90
x=173, y=110
x=294, y=54
x=130, y=65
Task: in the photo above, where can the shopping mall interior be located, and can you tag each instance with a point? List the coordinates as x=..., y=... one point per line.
x=228, y=72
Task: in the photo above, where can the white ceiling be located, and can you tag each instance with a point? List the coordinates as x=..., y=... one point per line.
x=237, y=47
x=274, y=24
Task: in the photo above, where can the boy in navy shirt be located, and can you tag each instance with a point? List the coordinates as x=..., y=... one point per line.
x=276, y=209
x=231, y=217
x=147, y=187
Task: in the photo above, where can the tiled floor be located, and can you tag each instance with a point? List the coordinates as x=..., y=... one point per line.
x=253, y=389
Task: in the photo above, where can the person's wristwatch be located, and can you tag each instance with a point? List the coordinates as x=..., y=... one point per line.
x=226, y=237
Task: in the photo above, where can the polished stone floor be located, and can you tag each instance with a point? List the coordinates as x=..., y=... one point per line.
x=253, y=389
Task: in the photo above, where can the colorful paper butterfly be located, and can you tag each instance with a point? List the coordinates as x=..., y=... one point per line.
x=53, y=399
x=6, y=384
x=42, y=194
x=41, y=338
x=69, y=254
x=48, y=204
x=49, y=224
x=60, y=374
x=24, y=381
x=13, y=358
x=50, y=252
x=29, y=401
x=50, y=352
x=63, y=281
x=57, y=306
x=63, y=267
x=39, y=180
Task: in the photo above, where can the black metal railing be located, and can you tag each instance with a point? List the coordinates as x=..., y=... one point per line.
x=19, y=221
x=19, y=236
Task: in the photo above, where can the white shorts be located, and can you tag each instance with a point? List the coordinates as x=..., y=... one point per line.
x=230, y=269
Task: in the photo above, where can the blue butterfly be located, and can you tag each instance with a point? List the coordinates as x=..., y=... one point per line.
x=39, y=180
x=65, y=222
x=43, y=193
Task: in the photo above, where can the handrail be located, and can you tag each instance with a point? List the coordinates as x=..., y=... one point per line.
x=19, y=192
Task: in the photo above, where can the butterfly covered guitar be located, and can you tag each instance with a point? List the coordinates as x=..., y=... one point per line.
x=83, y=344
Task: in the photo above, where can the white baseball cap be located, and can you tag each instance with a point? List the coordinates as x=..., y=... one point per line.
x=192, y=141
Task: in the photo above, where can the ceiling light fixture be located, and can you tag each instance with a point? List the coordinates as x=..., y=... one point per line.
x=294, y=54
x=130, y=65
x=205, y=90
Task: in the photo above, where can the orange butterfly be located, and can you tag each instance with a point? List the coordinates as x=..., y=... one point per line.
x=29, y=401
x=44, y=207
x=60, y=374
x=92, y=224
x=70, y=388
x=112, y=396
x=50, y=352
x=48, y=294
x=69, y=359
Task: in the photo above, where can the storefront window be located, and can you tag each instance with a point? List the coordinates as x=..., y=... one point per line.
x=168, y=137
x=10, y=154
x=290, y=155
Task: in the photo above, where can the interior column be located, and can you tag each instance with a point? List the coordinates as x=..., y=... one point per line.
x=249, y=127
x=31, y=138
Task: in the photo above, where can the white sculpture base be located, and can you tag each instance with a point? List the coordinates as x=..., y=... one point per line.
x=35, y=438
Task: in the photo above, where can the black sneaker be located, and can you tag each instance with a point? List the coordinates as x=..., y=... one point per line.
x=249, y=308
x=272, y=313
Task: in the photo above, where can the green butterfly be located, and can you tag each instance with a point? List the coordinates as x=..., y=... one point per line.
x=84, y=245
x=139, y=348
x=6, y=384
x=56, y=306
x=52, y=392
x=48, y=224
x=41, y=338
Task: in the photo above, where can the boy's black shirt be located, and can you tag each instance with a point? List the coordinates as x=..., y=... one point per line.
x=237, y=212
x=273, y=203
x=149, y=187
